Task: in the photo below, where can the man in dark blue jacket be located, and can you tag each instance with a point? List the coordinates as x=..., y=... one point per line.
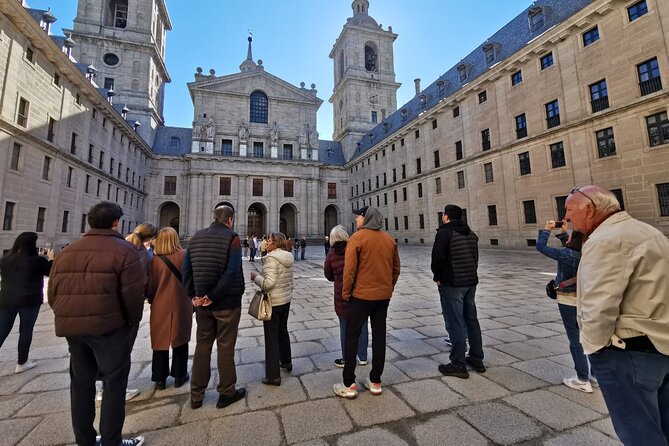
x=455, y=259
x=214, y=279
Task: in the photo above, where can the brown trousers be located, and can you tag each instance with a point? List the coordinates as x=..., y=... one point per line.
x=220, y=326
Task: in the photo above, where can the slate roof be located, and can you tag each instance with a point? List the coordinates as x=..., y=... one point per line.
x=330, y=153
x=162, y=145
x=508, y=40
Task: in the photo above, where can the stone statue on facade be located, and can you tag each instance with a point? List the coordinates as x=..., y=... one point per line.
x=210, y=129
x=274, y=133
x=197, y=127
x=243, y=131
x=313, y=138
x=302, y=137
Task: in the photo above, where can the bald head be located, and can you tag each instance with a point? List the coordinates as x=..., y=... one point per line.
x=588, y=206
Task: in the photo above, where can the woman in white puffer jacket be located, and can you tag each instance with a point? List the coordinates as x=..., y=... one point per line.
x=277, y=280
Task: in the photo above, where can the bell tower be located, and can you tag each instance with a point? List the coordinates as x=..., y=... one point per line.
x=125, y=42
x=365, y=91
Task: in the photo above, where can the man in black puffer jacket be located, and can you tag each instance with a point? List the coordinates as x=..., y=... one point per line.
x=214, y=279
x=455, y=259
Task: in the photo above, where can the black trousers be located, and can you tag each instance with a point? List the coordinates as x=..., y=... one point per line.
x=277, y=341
x=107, y=358
x=160, y=366
x=358, y=312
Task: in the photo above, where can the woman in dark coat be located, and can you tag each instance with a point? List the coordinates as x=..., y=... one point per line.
x=171, y=311
x=22, y=282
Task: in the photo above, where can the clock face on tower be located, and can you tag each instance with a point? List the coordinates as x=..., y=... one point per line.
x=373, y=97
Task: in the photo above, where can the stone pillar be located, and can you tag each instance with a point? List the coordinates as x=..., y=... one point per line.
x=242, y=205
x=191, y=206
x=273, y=206
x=303, y=216
x=207, y=205
x=197, y=208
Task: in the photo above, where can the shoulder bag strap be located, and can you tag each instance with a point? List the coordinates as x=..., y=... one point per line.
x=171, y=266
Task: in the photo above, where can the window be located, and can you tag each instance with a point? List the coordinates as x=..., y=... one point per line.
x=599, y=96
x=77, y=99
x=397, y=224
x=9, y=216
x=462, y=73
x=46, y=169
x=483, y=96
x=437, y=163
x=118, y=10
x=662, y=196
x=456, y=112
x=111, y=166
x=395, y=196
x=404, y=194
x=87, y=184
x=404, y=171
x=91, y=148
x=257, y=187
x=97, y=190
x=552, y=114
x=437, y=185
x=464, y=215
x=546, y=61
x=82, y=227
x=332, y=191
x=24, y=109
x=16, y=156
x=658, y=129
x=619, y=196
x=434, y=124
x=109, y=189
x=287, y=188
x=417, y=134
x=421, y=221
x=41, y=217
x=524, y=160
x=385, y=179
x=258, y=149
x=288, y=151
x=394, y=175
x=73, y=144
x=649, y=77
x=560, y=207
x=406, y=223
x=420, y=190
x=109, y=83
x=521, y=126
x=370, y=58
x=66, y=219
x=590, y=36
x=259, y=107
x=111, y=59
x=489, y=53
x=485, y=139
x=458, y=150
x=377, y=181
x=492, y=215
x=536, y=17
x=68, y=181
x=170, y=185
x=418, y=166
x=637, y=10
x=461, y=179
x=385, y=199
x=517, y=78
x=101, y=161
x=374, y=118
x=487, y=170
x=225, y=186
x=557, y=155
x=606, y=143
x=226, y=147
x=30, y=54
x=127, y=174
x=125, y=198
x=530, y=212
x=51, y=130
x=402, y=142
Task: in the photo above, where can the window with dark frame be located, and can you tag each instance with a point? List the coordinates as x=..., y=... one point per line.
x=417, y=133
x=658, y=129
x=257, y=187
x=258, y=149
x=663, y=198
x=461, y=179
x=599, y=96
x=456, y=112
x=560, y=207
x=288, y=188
x=66, y=220
x=521, y=126
x=591, y=36
x=437, y=162
x=332, y=191
x=170, y=185
x=87, y=184
x=637, y=10
x=404, y=171
x=51, y=130
x=458, y=150
x=517, y=78
x=421, y=221
x=406, y=223
x=485, y=139
x=489, y=53
x=68, y=180
x=606, y=143
x=16, y=156
x=82, y=228
x=22, y=116
x=405, y=196
x=537, y=20
x=73, y=144
x=420, y=190
x=437, y=185
x=418, y=166
x=529, y=212
x=546, y=61
x=385, y=199
x=30, y=54
x=259, y=106
x=8, y=219
x=524, y=162
x=488, y=171
x=434, y=124
x=552, y=114
x=375, y=118
x=619, y=196
x=557, y=155
x=288, y=151
x=483, y=97
x=492, y=215
x=225, y=186
x=41, y=218
x=395, y=196
x=226, y=147
x=649, y=76
x=397, y=224
x=101, y=161
x=91, y=148
x=46, y=169
x=97, y=189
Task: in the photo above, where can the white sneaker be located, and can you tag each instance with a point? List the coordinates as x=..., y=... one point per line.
x=135, y=441
x=129, y=394
x=575, y=383
x=20, y=368
x=374, y=388
x=345, y=392
x=362, y=362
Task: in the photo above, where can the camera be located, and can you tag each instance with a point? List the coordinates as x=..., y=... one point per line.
x=558, y=224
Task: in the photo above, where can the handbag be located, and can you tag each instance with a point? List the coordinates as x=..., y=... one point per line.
x=551, y=289
x=261, y=306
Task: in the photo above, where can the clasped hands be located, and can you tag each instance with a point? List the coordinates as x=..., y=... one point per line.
x=201, y=301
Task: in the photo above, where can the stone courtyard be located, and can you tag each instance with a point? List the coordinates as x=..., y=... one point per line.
x=519, y=400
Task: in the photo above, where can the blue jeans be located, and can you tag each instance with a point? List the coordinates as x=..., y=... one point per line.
x=635, y=386
x=362, y=342
x=302, y=251
x=459, y=310
x=27, y=317
x=568, y=314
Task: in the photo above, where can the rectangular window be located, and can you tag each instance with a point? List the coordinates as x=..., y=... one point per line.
x=46, y=169
x=385, y=199
x=77, y=99
x=492, y=215
x=420, y=190
x=662, y=196
x=8, y=219
x=437, y=163
x=461, y=179
x=560, y=207
x=332, y=191
x=434, y=124
x=257, y=187
x=464, y=215
x=406, y=223
x=51, y=130
x=394, y=175
x=66, y=219
x=127, y=174
x=395, y=196
x=590, y=36
x=599, y=96
x=87, y=184
x=30, y=54
x=517, y=78
x=637, y=10
x=489, y=176
x=485, y=139
x=458, y=150
x=402, y=142
x=404, y=194
x=125, y=197
x=41, y=217
x=109, y=189
x=73, y=144
x=397, y=224
x=287, y=188
x=456, y=112
x=385, y=178
x=483, y=96
x=91, y=148
x=525, y=166
x=97, y=190
x=82, y=227
x=521, y=126
x=377, y=181
x=16, y=156
x=649, y=77
x=109, y=83
x=258, y=149
x=530, y=212
x=170, y=185
x=24, y=109
x=404, y=171
x=417, y=134
x=437, y=185
x=619, y=196
x=552, y=114
x=225, y=186
x=557, y=155
x=68, y=181
x=226, y=147
x=101, y=161
x=288, y=151
x=606, y=143
x=658, y=129
x=418, y=166
x=546, y=61
x=375, y=118
x=421, y=221
x=111, y=166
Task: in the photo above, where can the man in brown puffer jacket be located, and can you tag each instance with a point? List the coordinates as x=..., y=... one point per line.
x=96, y=291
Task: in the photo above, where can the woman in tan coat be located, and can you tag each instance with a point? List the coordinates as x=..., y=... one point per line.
x=171, y=311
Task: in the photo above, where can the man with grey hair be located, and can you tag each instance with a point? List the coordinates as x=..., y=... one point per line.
x=214, y=280
x=623, y=313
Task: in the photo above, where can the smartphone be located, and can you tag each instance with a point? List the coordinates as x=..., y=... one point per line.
x=558, y=224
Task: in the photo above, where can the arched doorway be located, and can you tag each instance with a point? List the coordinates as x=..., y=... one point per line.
x=288, y=220
x=330, y=218
x=169, y=215
x=256, y=219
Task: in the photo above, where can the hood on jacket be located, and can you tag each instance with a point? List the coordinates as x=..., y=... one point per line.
x=283, y=257
x=373, y=219
x=340, y=247
x=458, y=226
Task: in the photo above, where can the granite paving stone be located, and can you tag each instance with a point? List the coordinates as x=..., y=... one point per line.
x=429, y=395
x=522, y=350
x=606, y=426
x=416, y=347
x=418, y=368
x=250, y=429
x=476, y=387
x=185, y=434
x=45, y=403
x=151, y=419
x=533, y=331
x=550, y=409
x=9, y=405
x=51, y=430
x=500, y=423
x=447, y=430
x=16, y=429
x=594, y=400
x=545, y=370
x=319, y=385
x=514, y=379
x=506, y=335
x=313, y=419
x=261, y=396
x=406, y=334
x=372, y=437
x=581, y=436
x=369, y=410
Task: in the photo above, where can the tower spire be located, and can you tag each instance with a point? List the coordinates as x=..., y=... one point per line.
x=248, y=64
x=249, y=53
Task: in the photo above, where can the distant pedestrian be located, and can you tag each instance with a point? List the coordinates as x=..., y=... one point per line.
x=326, y=244
x=263, y=246
x=296, y=249
x=256, y=246
x=303, y=248
x=246, y=246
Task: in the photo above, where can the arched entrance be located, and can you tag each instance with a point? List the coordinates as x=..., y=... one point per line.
x=256, y=219
x=330, y=218
x=288, y=220
x=169, y=215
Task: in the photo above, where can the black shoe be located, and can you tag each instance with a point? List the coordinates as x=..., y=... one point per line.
x=225, y=401
x=272, y=382
x=478, y=368
x=178, y=382
x=451, y=370
x=287, y=367
x=160, y=385
x=195, y=404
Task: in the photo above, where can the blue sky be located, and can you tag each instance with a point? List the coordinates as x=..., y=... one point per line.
x=294, y=38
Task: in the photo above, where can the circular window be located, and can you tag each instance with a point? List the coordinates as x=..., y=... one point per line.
x=111, y=59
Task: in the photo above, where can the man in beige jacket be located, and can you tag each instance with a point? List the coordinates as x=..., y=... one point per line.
x=623, y=313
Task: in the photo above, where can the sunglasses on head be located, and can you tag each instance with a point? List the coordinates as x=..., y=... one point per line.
x=576, y=189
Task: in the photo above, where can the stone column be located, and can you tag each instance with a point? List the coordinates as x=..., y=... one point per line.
x=303, y=215
x=191, y=205
x=207, y=204
x=197, y=208
x=240, y=211
x=273, y=206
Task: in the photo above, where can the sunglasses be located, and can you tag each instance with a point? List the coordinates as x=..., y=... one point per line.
x=576, y=189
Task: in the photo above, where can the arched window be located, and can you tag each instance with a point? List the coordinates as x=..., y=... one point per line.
x=117, y=14
x=259, y=107
x=370, y=59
